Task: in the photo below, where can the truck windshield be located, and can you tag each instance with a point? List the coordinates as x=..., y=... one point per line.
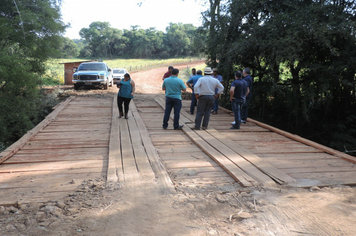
x=92, y=66
x=118, y=71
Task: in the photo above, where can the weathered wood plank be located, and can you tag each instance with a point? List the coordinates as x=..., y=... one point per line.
x=128, y=158
x=114, y=172
x=226, y=164
x=308, y=142
x=141, y=158
x=163, y=178
x=82, y=164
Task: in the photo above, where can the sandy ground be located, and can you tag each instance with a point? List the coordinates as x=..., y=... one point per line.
x=141, y=209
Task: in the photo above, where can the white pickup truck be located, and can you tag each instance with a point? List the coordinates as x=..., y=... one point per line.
x=93, y=74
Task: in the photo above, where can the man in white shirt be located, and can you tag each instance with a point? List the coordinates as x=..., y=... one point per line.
x=204, y=91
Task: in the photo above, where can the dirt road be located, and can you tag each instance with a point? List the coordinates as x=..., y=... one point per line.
x=140, y=208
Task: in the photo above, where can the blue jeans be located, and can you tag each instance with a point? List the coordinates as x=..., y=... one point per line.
x=216, y=104
x=205, y=104
x=244, y=109
x=176, y=104
x=236, y=108
x=194, y=102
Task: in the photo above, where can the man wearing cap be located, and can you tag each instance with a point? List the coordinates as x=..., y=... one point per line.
x=204, y=91
x=168, y=73
x=190, y=83
x=173, y=87
x=216, y=101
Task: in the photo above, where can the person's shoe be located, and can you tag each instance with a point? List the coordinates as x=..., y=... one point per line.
x=233, y=127
x=121, y=115
x=164, y=127
x=196, y=128
x=243, y=121
x=215, y=112
x=179, y=127
x=204, y=128
x=192, y=113
x=126, y=116
x=232, y=123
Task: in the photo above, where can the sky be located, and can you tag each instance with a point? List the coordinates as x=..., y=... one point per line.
x=122, y=14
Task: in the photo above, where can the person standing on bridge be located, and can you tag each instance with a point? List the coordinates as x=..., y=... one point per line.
x=168, y=73
x=191, y=82
x=216, y=101
x=238, y=93
x=204, y=91
x=173, y=87
x=194, y=73
x=125, y=94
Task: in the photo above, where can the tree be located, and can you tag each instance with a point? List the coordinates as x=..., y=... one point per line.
x=69, y=48
x=25, y=45
x=177, y=40
x=302, y=57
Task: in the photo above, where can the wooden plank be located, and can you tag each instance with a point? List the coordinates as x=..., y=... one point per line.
x=307, y=142
x=82, y=164
x=141, y=158
x=206, y=181
x=33, y=158
x=128, y=158
x=318, y=163
x=28, y=179
x=188, y=164
x=231, y=168
x=203, y=175
x=64, y=146
x=227, y=148
x=301, y=150
x=336, y=170
x=91, y=150
x=295, y=156
x=10, y=151
x=163, y=178
x=114, y=171
x=246, y=160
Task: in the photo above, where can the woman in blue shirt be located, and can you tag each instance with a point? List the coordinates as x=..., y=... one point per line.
x=126, y=92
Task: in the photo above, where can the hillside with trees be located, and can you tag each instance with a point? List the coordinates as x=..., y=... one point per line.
x=100, y=40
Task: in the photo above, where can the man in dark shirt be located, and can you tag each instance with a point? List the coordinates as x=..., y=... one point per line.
x=168, y=73
x=247, y=78
x=238, y=93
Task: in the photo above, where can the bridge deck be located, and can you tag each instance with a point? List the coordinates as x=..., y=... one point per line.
x=83, y=139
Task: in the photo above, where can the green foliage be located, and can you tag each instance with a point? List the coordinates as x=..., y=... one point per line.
x=30, y=34
x=302, y=57
x=69, y=49
x=100, y=40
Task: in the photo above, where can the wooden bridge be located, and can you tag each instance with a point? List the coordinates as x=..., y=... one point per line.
x=83, y=139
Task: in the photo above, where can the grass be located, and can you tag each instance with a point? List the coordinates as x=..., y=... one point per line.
x=55, y=67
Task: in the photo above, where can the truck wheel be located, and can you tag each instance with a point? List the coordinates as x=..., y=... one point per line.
x=76, y=87
x=106, y=85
